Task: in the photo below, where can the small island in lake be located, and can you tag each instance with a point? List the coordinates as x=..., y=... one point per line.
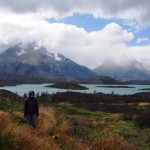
x=145, y=89
x=71, y=86
x=116, y=86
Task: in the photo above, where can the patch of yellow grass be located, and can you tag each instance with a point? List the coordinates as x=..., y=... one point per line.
x=47, y=119
x=18, y=114
x=143, y=104
x=34, y=139
x=52, y=122
x=4, y=121
x=133, y=104
x=115, y=116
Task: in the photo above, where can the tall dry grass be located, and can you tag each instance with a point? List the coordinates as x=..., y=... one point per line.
x=52, y=132
x=4, y=121
x=47, y=119
x=27, y=138
x=24, y=137
x=50, y=124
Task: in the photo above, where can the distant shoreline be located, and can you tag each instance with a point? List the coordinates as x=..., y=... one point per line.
x=116, y=86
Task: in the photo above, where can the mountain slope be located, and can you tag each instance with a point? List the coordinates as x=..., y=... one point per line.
x=100, y=80
x=35, y=61
x=129, y=69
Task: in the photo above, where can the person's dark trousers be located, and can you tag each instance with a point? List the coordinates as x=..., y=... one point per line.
x=32, y=120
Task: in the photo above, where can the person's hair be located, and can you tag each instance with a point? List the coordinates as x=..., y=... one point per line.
x=31, y=93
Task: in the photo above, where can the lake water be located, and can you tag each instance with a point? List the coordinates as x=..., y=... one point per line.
x=25, y=88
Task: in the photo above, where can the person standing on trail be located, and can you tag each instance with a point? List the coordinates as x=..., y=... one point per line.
x=31, y=109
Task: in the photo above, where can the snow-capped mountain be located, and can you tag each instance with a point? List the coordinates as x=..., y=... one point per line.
x=35, y=61
x=125, y=69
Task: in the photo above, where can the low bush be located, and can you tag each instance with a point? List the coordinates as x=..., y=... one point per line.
x=144, y=119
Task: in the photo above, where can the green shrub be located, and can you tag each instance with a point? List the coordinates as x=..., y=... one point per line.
x=6, y=141
x=144, y=120
x=9, y=105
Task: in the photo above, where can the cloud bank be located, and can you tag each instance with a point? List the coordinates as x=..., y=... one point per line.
x=136, y=9
x=25, y=22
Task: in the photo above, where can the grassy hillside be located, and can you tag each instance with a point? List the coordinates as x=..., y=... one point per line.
x=69, y=125
x=103, y=121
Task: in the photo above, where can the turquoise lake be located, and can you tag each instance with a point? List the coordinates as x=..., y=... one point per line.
x=24, y=88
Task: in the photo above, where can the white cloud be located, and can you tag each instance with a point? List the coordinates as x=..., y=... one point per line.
x=140, y=40
x=140, y=52
x=85, y=48
x=137, y=9
x=25, y=22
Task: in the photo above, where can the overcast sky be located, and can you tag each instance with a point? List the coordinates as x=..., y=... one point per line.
x=86, y=31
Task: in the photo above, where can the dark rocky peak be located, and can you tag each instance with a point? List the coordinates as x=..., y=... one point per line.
x=62, y=57
x=33, y=47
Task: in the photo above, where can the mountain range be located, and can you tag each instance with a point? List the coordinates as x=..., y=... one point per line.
x=32, y=63
x=35, y=62
x=124, y=70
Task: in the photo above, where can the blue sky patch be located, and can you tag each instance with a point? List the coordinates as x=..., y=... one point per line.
x=89, y=23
